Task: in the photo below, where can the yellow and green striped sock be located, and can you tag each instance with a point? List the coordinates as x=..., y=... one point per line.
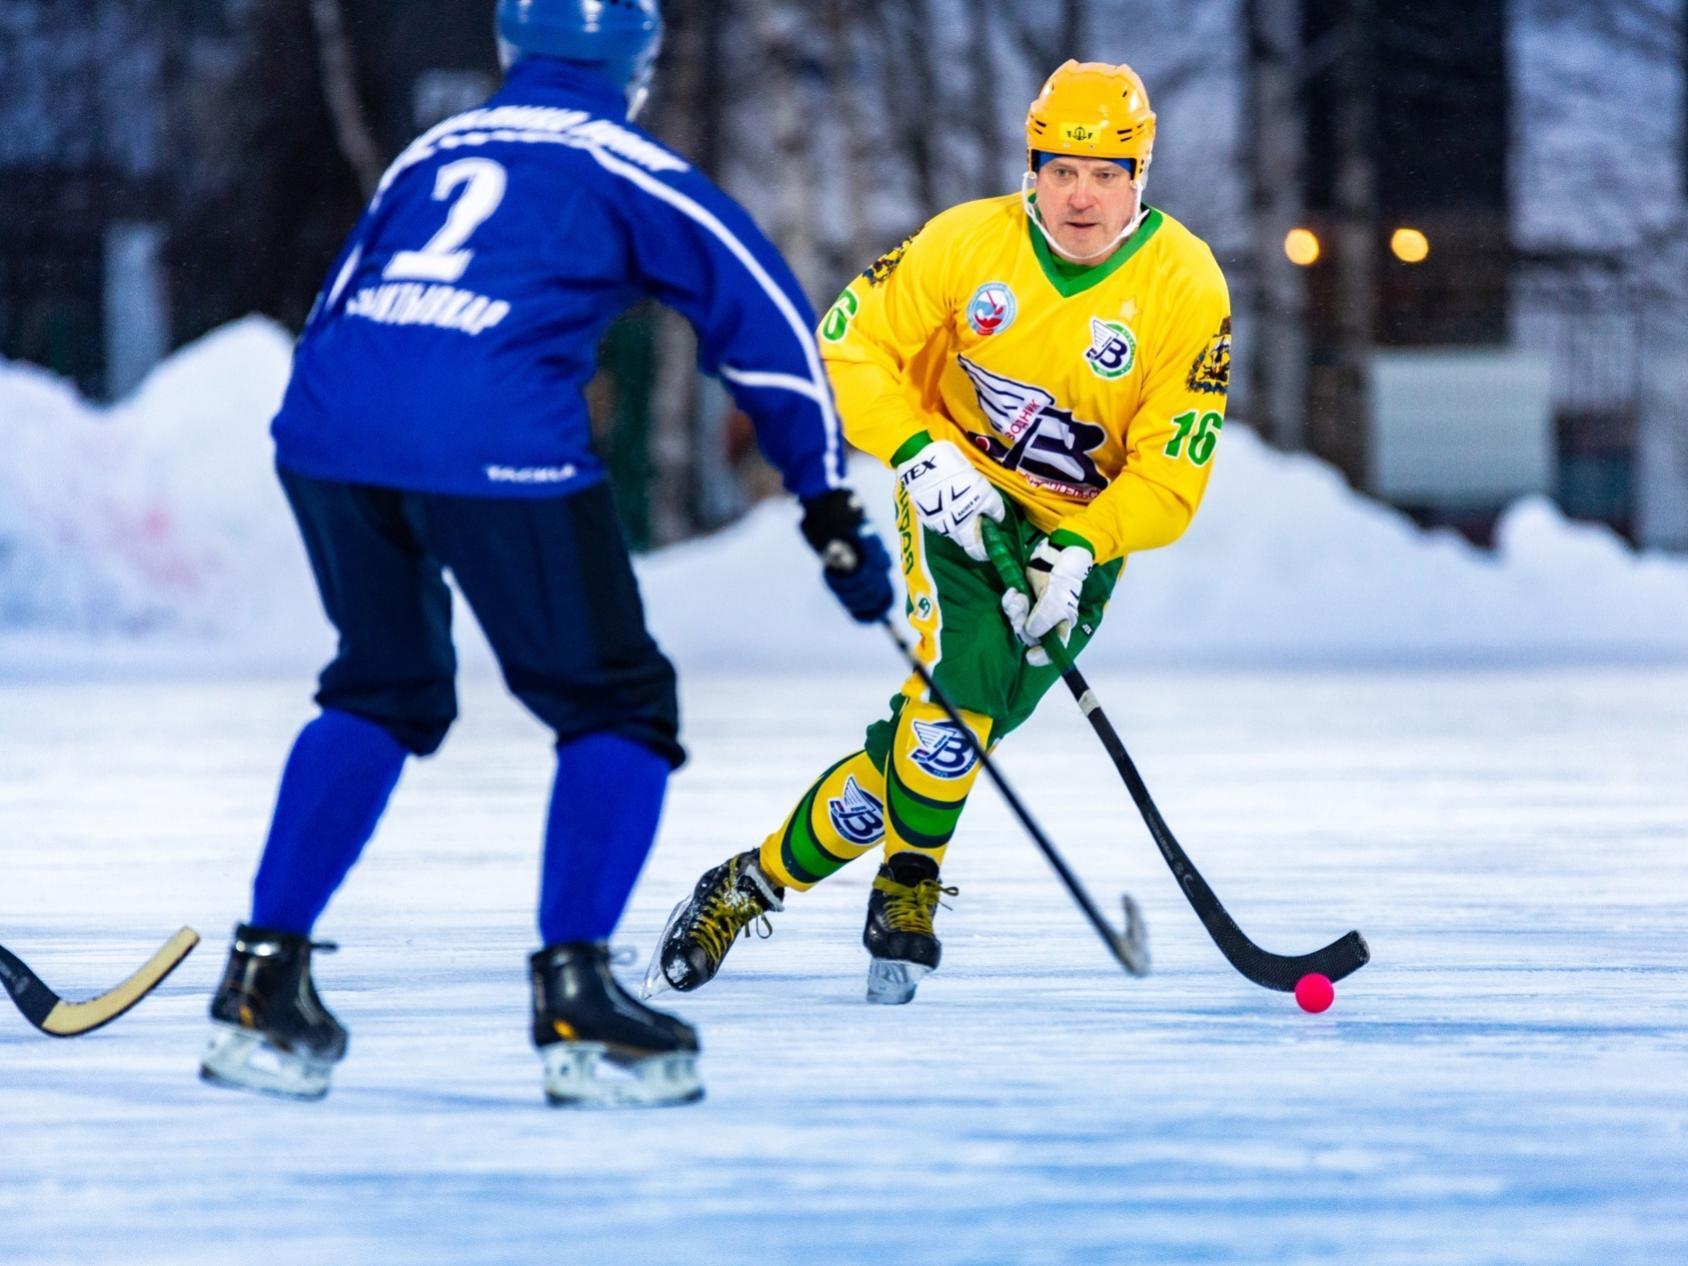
x=840, y=817
x=929, y=772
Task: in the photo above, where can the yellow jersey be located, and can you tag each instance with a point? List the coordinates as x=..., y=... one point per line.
x=1094, y=400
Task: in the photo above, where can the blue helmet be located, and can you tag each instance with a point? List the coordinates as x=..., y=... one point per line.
x=618, y=37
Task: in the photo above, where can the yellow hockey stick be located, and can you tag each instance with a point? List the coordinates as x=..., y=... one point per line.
x=54, y=1016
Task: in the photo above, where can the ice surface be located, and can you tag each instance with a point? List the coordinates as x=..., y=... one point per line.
x=1506, y=1083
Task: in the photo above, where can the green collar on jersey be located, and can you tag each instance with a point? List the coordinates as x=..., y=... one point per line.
x=1070, y=279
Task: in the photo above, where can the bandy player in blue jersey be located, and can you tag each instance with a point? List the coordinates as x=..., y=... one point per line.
x=435, y=419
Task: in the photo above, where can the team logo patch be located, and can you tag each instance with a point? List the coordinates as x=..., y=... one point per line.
x=942, y=749
x=992, y=309
x=1113, y=349
x=1032, y=435
x=878, y=272
x=857, y=815
x=1080, y=133
x=1211, y=372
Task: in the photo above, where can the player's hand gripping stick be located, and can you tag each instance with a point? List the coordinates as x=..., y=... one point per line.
x=855, y=564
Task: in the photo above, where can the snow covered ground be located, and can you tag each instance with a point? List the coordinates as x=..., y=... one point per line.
x=1506, y=1083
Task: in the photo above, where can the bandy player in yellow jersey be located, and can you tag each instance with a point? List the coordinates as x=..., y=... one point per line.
x=1056, y=360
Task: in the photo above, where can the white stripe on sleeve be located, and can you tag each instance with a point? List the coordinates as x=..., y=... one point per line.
x=815, y=387
x=785, y=382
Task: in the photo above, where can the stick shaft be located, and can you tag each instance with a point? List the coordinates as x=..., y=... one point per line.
x=1340, y=958
x=1127, y=956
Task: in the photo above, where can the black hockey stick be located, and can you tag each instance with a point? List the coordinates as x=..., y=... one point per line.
x=57, y=1018
x=1130, y=947
x=1342, y=957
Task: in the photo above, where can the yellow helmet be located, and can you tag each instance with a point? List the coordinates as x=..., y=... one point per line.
x=1092, y=110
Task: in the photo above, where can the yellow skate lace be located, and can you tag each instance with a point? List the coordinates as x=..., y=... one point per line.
x=726, y=912
x=909, y=908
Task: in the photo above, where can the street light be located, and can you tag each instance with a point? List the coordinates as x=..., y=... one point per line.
x=1302, y=247
x=1409, y=245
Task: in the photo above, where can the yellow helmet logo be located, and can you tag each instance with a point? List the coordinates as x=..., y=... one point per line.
x=1093, y=110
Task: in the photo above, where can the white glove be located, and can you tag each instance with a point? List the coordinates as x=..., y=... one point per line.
x=1056, y=576
x=949, y=494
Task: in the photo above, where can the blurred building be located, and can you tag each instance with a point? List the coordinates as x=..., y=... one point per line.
x=1446, y=365
x=1407, y=129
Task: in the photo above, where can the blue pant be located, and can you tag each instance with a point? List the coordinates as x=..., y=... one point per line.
x=549, y=582
x=552, y=586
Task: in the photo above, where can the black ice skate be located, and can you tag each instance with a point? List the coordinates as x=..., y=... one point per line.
x=270, y=1031
x=602, y=1047
x=727, y=901
x=899, y=932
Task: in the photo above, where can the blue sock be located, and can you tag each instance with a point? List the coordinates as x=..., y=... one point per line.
x=335, y=786
x=604, y=809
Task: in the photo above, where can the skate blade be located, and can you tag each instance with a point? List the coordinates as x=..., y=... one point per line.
x=656, y=980
x=242, y=1060
x=892, y=982
x=578, y=1075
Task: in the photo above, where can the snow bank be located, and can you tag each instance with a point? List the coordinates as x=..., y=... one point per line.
x=1284, y=565
x=153, y=532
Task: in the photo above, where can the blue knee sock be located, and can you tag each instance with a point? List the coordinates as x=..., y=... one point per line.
x=604, y=809
x=335, y=786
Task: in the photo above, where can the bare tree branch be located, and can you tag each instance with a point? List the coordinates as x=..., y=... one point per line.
x=844, y=74
x=339, y=84
x=1047, y=44
x=913, y=94
x=983, y=91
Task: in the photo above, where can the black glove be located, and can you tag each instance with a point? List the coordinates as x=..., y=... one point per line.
x=857, y=568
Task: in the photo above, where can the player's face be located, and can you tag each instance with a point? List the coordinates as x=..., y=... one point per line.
x=1085, y=202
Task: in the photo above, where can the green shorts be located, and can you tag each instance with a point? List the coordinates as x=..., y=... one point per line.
x=955, y=605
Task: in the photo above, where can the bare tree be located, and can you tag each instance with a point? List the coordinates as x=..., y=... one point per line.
x=1047, y=43
x=983, y=92
x=340, y=90
x=1273, y=126
x=1341, y=422
x=846, y=77
x=1608, y=292
x=684, y=116
x=913, y=89
x=781, y=32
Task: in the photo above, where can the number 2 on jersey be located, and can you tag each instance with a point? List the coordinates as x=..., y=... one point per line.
x=443, y=258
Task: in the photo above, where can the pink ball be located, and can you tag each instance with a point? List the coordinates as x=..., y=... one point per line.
x=1314, y=993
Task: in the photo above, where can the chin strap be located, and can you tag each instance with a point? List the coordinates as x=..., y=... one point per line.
x=1027, y=179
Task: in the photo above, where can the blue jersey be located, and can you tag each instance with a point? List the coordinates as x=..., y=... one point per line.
x=452, y=345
